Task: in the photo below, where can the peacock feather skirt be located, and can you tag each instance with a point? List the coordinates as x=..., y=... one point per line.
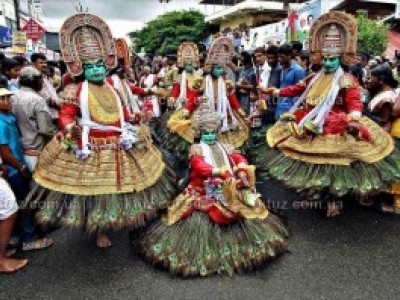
x=335, y=165
x=196, y=246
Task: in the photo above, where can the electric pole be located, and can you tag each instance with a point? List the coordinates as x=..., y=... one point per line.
x=17, y=19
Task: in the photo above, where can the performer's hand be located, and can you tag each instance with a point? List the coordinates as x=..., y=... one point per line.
x=244, y=178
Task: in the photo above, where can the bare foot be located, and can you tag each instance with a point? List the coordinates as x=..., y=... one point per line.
x=102, y=240
x=9, y=265
x=332, y=210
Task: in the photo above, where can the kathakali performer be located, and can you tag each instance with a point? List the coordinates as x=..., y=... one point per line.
x=220, y=94
x=219, y=223
x=324, y=146
x=102, y=171
x=187, y=89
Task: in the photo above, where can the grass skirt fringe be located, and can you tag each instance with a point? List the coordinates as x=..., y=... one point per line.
x=314, y=180
x=198, y=247
x=113, y=211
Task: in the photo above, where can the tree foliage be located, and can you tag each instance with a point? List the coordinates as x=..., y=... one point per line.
x=164, y=34
x=372, y=35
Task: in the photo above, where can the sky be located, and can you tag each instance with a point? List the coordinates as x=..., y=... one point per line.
x=122, y=16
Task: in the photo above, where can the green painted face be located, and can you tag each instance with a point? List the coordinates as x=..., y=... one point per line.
x=95, y=71
x=331, y=64
x=217, y=71
x=189, y=68
x=208, y=136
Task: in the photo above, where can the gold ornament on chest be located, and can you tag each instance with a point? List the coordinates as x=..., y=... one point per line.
x=320, y=89
x=103, y=104
x=218, y=156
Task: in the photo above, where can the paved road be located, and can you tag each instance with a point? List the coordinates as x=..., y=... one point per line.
x=353, y=257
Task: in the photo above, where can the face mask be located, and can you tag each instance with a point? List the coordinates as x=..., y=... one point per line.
x=189, y=68
x=95, y=71
x=331, y=64
x=208, y=137
x=217, y=72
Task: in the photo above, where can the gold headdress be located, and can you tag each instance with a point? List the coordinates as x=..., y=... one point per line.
x=221, y=52
x=205, y=118
x=123, y=51
x=334, y=33
x=85, y=36
x=188, y=52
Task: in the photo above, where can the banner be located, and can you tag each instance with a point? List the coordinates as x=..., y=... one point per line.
x=263, y=36
x=301, y=20
x=19, y=40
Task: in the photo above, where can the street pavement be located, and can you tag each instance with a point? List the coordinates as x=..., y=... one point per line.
x=355, y=256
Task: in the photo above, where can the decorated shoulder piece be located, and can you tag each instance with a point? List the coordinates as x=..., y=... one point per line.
x=70, y=94
x=347, y=81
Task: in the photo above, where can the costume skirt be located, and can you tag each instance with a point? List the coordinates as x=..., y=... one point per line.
x=196, y=246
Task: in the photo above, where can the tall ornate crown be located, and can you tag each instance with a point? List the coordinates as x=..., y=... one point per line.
x=332, y=43
x=188, y=52
x=334, y=33
x=221, y=52
x=83, y=37
x=89, y=45
x=205, y=118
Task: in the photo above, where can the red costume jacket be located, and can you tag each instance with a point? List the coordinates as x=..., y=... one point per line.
x=190, y=94
x=200, y=171
x=70, y=111
x=348, y=101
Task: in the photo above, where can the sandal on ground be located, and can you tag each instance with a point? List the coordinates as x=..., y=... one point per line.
x=39, y=244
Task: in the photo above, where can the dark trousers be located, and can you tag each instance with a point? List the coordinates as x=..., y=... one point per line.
x=26, y=227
